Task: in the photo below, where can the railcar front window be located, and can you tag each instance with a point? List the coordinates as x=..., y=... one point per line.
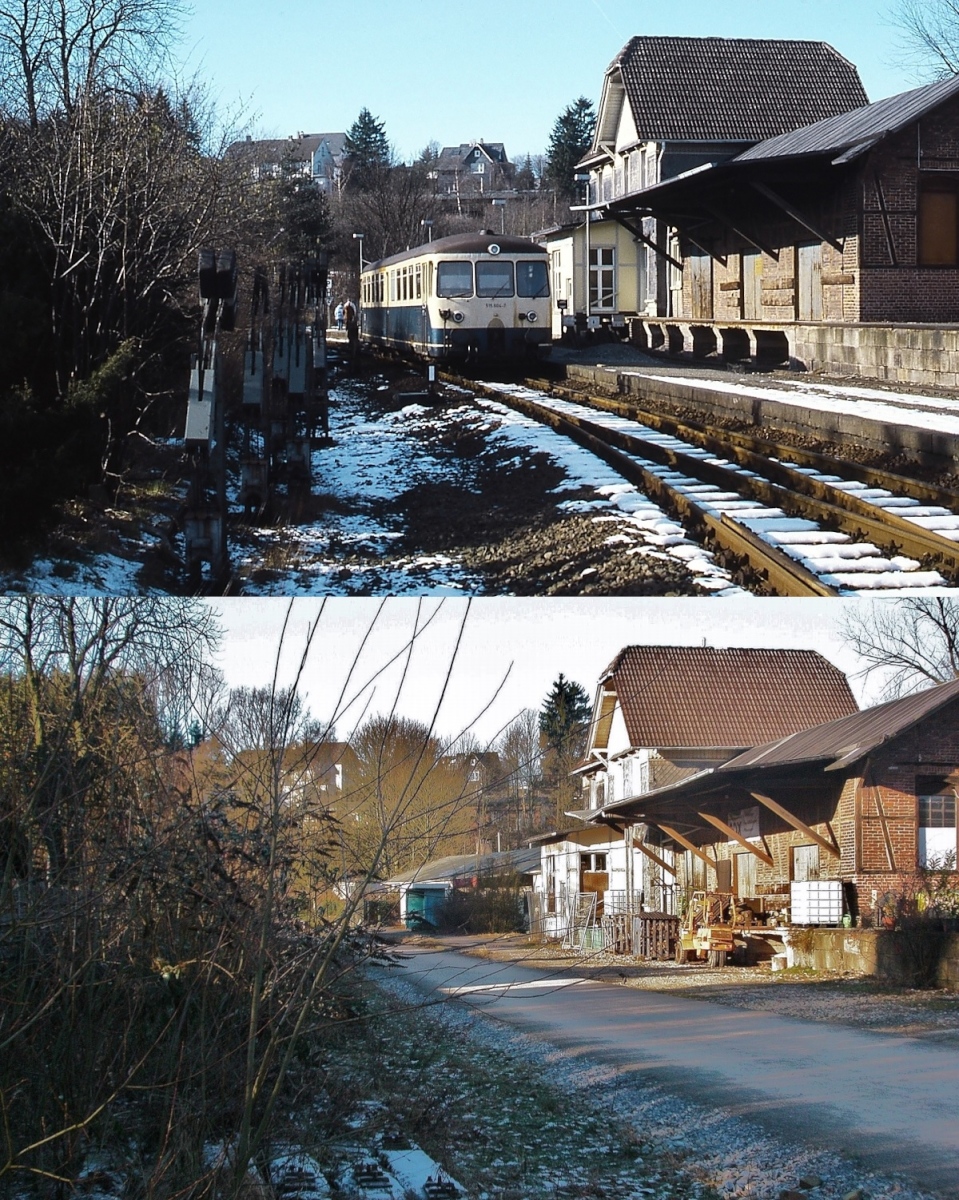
x=494, y=279
x=532, y=280
x=454, y=279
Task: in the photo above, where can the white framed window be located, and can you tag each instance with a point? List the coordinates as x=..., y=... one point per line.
x=936, y=824
x=602, y=278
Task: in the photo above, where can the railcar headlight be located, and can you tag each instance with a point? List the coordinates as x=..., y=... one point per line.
x=531, y=317
x=458, y=318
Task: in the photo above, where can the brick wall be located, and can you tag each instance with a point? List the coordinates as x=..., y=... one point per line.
x=894, y=287
x=873, y=815
x=872, y=210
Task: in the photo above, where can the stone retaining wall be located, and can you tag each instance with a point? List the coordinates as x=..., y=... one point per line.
x=927, y=446
x=889, y=955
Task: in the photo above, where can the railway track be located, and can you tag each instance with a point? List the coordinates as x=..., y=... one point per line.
x=796, y=522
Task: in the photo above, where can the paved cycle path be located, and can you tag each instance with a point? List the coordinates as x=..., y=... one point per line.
x=888, y=1102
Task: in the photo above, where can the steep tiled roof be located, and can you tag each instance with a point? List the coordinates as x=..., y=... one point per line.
x=694, y=696
x=733, y=89
x=834, y=746
x=849, y=739
x=857, y=130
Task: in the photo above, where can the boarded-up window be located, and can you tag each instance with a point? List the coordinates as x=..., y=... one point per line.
x=805, y=862
x=550, y=883
x=724, y=875
x=939, y=227
x=745, y=875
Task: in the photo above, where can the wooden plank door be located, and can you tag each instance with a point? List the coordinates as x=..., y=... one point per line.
x=809, y=275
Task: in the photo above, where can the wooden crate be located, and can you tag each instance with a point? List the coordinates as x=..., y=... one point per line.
x=654, y=936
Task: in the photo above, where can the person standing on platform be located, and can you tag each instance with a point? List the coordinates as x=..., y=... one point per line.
x=352, y=328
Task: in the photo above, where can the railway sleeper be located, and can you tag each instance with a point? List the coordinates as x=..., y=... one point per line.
x=779, y=483
x=780, y=573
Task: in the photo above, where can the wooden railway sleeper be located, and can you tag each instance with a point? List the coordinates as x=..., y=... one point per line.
x=815, y=499
x=784, y=575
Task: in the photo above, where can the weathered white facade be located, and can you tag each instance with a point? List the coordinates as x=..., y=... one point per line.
x=613, y=279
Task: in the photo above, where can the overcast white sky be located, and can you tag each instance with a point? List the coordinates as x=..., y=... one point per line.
x=510, y=650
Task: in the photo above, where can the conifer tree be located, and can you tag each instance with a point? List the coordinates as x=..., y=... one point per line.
x=569, y=141
x=563, y=722
x=367, y=148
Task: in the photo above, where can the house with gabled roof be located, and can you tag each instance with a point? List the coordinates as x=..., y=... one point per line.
x=662, y=714
x=826, y=244
x=866, y=801
x=471, y=169
x=669, y=106
x=315, y=156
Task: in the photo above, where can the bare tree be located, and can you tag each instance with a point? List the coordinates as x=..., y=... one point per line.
x=520, y=756
x=55, y=54
x=158, y=990
x=910, y=644
x=930, y=30
x=387, y=210
x=413, y=798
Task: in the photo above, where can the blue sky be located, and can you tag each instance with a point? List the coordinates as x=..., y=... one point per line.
x=454, y=70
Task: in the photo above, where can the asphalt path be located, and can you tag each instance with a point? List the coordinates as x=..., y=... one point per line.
x=888, y=1103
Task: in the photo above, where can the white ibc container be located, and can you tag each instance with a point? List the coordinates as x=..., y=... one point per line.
x=816, y=902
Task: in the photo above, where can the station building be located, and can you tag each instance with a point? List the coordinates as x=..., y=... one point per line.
x=867, y=800
x=662, y=714
x=669, y=106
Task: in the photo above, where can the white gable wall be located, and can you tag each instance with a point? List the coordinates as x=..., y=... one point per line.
x=559, y=878
x=618, y=741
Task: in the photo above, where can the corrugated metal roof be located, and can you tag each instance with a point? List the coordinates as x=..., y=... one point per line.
x=733, y=89
x=859, y=129
x=830, y=746
x=847, y=740
x=698, y=696
x=455, y=866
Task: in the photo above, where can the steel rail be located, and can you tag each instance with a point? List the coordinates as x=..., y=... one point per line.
x=842, y=509
x=783, y=576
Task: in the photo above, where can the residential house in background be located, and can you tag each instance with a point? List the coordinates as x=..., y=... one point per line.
x=662, y=714
x=670, y=106
x=472, y=169
x=315, y=156
x=863, y=802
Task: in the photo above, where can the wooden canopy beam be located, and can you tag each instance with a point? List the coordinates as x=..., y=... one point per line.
x=795, y=822
x=661, y=862
x=797, y=216
x=723, y=219
x=738, y=837
x=648, y=241
x=687, y=844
